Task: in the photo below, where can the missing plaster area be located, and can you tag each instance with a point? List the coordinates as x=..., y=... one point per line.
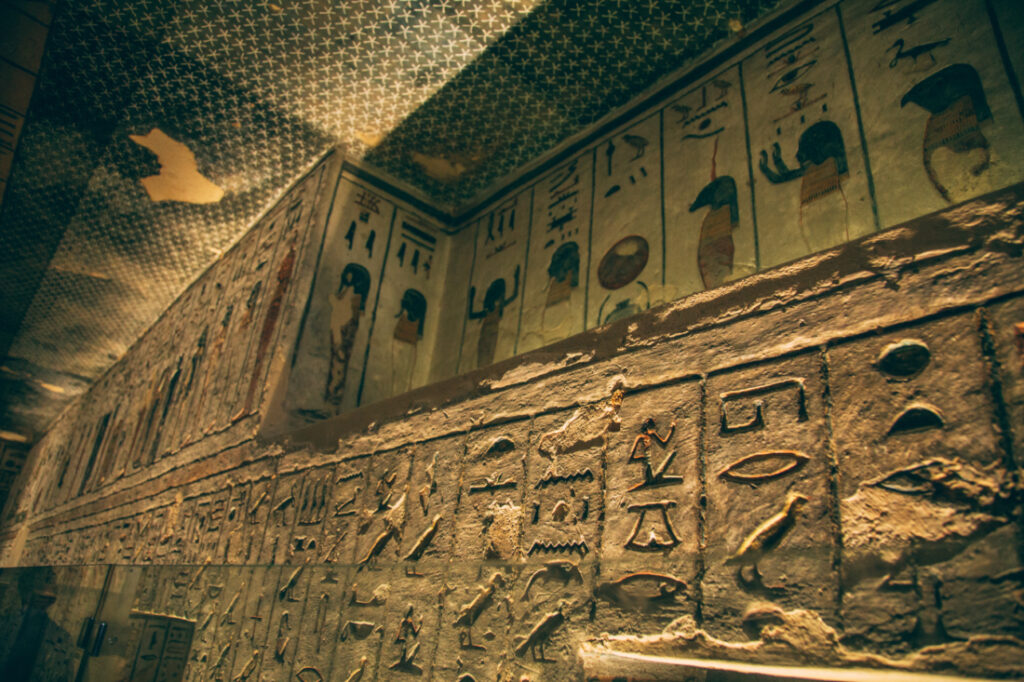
x=179, y=178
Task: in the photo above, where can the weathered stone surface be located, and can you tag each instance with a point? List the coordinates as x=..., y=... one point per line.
x=814, y=465
x=474, y=635
x=490, y=515
x=769, y=533
x=1005, y=327
x=801, y=638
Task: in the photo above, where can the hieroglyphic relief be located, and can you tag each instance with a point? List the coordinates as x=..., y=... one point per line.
x=363, y=623
x=626, y=275
x=204, y=527
x=474, y=634
x=563, y=495
x=315, y=640
x=312, y=509
x=946, y=122
x=412, y=623
x=176, y=530
x=490, y=513
x=553, y=607
x=342, y=519
x=769, y=535
x=811, y=187
x=282, y=511
x=709, y=227
x=252, y=642
x=248, y=510
x=650, y=544
x=492, y=310
x=229, y=617
x=381, y=509
x=288, y=604
x=430, y=514
x=208, y=594
x=555, y=282
x=926, y=437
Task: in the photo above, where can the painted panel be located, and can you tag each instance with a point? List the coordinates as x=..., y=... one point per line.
x=709, y=225
x=334, y=339
x=811, y=184
x=625, y=270
x=407, y=317
x=554, y=289
x=495, y=288
x=944, y=125
x=288, y=283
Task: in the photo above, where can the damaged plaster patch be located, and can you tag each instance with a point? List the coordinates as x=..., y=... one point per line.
x=503, y=523
x=585, y=428
x=922, y=513
x=371, y=140
x=439, y=167
x=179, y=178
x=532, y=370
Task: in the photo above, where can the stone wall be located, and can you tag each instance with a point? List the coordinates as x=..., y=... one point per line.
x=831, y=477
x=808, y=460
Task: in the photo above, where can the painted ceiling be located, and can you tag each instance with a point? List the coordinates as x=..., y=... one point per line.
x=445, y=95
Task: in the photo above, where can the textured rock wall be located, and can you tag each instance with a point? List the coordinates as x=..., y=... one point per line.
x=817, y=466
x=198, y=378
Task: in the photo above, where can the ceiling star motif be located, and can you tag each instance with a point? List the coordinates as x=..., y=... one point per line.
x=258, y=91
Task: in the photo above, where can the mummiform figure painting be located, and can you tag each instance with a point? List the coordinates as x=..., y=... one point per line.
x=407, y=334
x=348, y=304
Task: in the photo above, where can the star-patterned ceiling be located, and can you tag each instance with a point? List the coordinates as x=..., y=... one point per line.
x=447, y=96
